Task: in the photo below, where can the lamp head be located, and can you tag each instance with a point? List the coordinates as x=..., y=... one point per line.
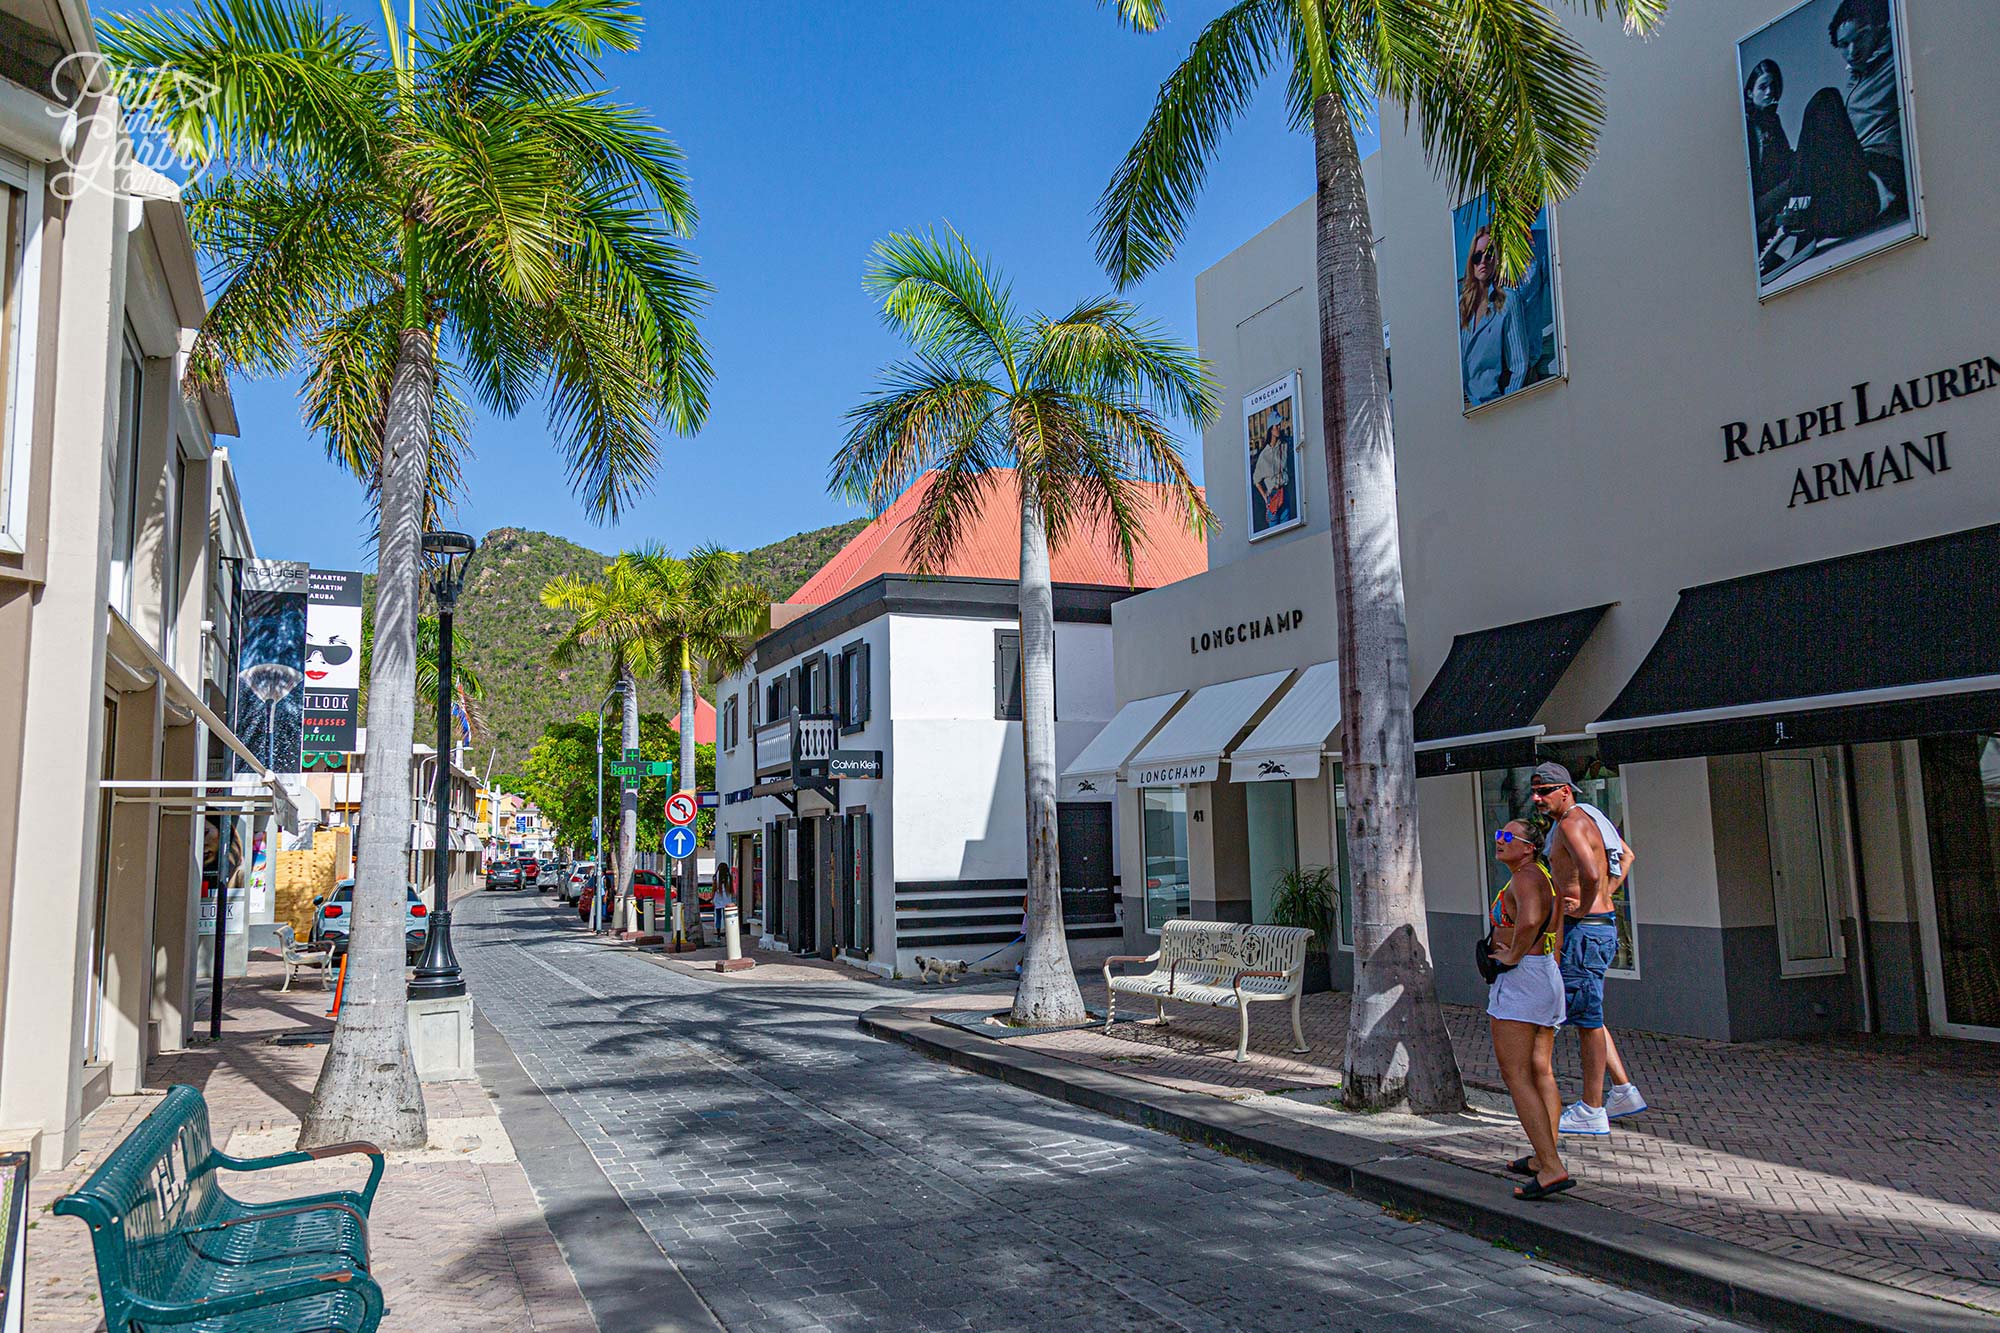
x=449, y=553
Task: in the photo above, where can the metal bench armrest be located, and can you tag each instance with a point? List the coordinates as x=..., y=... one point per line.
x=1237, y=984
x=295, y=1210
x=1126, y=958
x=229, y=1163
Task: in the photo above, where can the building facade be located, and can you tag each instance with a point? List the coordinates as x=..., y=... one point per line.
x=900, y=830
x=118, y=519
x=1702, y=506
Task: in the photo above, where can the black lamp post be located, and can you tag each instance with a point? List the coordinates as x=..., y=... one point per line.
x=438, y=977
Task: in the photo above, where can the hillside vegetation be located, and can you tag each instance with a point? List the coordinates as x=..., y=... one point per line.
x=506, y=633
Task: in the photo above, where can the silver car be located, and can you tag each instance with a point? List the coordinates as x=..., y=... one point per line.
x=332, y=917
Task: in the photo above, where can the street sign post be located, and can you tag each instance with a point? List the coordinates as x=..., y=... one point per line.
x=682, y=808
x=680, y=842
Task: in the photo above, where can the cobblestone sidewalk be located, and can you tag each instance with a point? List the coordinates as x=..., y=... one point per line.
x=1874, y=1157
x=456, y=1236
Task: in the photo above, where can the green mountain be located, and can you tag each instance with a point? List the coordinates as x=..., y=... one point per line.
x=505, y=633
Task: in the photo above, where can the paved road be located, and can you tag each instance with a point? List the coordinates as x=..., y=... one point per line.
x=803, y=1176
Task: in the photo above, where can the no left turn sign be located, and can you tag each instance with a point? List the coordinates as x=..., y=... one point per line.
x=682, y=807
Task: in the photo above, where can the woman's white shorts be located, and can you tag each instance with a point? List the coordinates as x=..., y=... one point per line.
x=1531, y=993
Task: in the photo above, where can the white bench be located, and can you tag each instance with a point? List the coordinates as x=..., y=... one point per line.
x=318, y=957
x=1215, y=963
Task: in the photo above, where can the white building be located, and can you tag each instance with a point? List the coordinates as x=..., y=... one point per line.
x=1726, y=544
x=900, y=830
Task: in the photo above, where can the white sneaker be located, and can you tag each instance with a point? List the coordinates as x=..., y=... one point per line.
x=1583, y=1118
x=1623, y=1099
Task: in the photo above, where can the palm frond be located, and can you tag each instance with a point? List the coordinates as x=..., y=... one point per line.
x=1139, y=15
x=481, y=46
x=939, y=295
x=926, y=411
x=496, y=192
x=254, y=81
x=1104, y=340
x=953, y=497
x=1144, y=211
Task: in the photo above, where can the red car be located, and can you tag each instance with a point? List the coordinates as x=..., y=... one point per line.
x=646, y=885
x=531, y=870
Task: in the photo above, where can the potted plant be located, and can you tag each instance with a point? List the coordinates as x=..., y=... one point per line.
x=1306, y=896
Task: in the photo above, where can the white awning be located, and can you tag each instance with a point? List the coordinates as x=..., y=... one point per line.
x=1288, y=743
x=1093, y=774
x=1189, y=748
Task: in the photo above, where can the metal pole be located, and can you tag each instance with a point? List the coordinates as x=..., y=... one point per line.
x=228, y=827
x=438, y=975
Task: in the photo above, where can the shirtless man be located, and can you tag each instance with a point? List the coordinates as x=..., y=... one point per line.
x=1589, y=860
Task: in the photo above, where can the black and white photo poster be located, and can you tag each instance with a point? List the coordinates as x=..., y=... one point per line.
x=1271, y=418
x=271, y=664
x=1832, y=176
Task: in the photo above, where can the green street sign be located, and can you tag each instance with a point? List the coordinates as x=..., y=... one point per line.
x=658, y=768
x=623, y=770
x=650, y=768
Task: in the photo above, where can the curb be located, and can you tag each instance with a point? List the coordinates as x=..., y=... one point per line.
x=1652, y=1257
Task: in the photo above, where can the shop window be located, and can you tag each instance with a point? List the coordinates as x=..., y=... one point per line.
x=1798, y=813
x=1343, y=865
x=125, y=474
x=1503, y=796
x=1961, y=779
x=1163, y=816
x=20, y=275
x=1272, y=838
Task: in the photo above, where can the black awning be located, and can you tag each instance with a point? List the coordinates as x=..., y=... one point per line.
x=1479, y=711
x=1883, y=645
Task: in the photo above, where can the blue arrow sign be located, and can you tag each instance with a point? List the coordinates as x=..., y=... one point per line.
x=680, y=842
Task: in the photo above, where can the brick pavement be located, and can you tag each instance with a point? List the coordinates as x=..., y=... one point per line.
x=804, y=1176
x=456, y=1236
x=1874, y=1157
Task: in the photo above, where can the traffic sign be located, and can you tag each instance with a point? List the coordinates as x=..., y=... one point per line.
x=681, y=808
x=631, y=753
x=680, y=842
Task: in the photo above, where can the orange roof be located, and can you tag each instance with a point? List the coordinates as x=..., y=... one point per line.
x=704, y=721
x=991, y=547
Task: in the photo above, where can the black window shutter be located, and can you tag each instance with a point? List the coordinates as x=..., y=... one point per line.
x=840, y=703
x=861, y=665
x=1007, y=675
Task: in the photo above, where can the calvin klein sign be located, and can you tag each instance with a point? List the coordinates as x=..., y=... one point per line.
x=1244, y=631
x=854, y=764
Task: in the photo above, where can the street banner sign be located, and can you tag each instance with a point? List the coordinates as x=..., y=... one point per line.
x=333, y=661
x=682, y=808
x=680, y=842
x=709, y=799
x=271, y=665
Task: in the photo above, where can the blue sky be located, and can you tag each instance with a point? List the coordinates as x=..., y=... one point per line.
x=811, y=130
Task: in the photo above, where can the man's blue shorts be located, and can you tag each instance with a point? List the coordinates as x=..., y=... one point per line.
x=1589, y=945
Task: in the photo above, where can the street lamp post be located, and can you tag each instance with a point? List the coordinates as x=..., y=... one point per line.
x=597, y=813
x=438, y=976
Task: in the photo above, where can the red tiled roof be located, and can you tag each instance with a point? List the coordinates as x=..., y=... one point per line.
x=991, y=547
x=704, y=720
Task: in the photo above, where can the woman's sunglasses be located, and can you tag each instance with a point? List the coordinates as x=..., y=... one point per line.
x=1504, y=836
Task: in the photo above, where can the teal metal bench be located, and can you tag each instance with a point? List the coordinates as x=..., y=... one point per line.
x=174, y=1250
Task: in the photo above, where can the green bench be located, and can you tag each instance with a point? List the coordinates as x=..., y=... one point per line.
x=176, y=1251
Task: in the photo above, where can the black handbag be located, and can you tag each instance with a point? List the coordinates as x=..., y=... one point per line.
x=1489, y=966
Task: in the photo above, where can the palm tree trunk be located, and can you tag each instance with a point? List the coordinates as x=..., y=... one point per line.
x=628, y=799
x=1397, y=1047
x=690, y=875
x=368, y=1086
x=1048, y=993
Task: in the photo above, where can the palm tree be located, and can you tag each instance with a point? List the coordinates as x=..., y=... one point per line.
x=456, y=208
x=1507, y=105
x=614, y=613
x=701, y=614
x=1075, y=405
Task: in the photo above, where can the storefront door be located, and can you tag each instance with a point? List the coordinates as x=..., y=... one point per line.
x=1961, y=797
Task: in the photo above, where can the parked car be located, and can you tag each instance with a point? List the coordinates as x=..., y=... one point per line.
x=332, y=917
x=571, y=885
x=531, y=871
x=503, y=875
x=584, y=893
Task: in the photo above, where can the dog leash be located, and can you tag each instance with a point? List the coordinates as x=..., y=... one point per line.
x=1008, y=945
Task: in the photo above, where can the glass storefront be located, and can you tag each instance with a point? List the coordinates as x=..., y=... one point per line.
x=1163, y=817
x=1961, y=777
x=1271, y=824
x=1503, y=796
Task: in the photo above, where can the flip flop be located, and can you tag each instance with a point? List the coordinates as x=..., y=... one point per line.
x=1535, y=1190
x=1522, y=1166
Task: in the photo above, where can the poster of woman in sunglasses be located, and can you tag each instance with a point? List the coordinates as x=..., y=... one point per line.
x=1272, y=457
x=333, y=660
x=1507, y=334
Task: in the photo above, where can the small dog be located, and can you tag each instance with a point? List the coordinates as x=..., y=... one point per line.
x=947, y=969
